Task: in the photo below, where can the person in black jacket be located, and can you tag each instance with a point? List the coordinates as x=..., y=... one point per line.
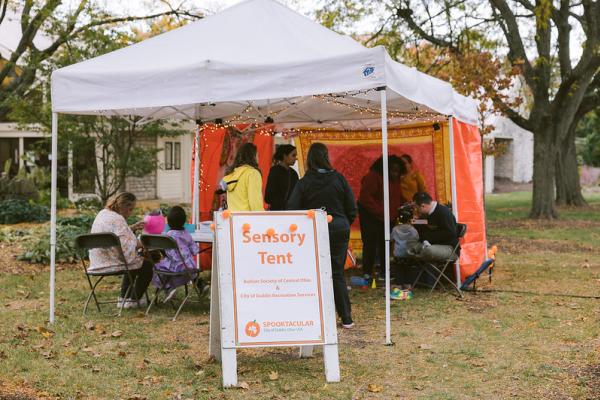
x=323, y=187
x=441, y=231
x=282, y=177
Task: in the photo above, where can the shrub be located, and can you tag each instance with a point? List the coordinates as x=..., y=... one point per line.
x=67, y=229
x=89, y=204
x=13, y=211
x=38, y=247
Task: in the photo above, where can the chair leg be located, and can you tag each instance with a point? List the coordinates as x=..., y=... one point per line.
x=153, y=300
x=128, y=292
x=187, y=295
x=448, y=280
x=92, y=294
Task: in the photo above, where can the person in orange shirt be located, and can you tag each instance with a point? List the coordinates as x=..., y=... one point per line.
x=413, y=181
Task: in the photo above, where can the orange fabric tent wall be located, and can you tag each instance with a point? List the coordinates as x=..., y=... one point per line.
x=218, y=147
x=469, y=195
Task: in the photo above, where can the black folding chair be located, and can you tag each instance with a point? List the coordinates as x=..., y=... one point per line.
x=436, y=269
x=103, y=241
x=162, y=243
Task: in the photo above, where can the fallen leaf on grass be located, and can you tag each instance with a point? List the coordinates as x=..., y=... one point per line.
x=273, y=375
x=47, y=333
x=122, y=354
x=122, y=344
x=373, y=388
x=90, y=326
x=117, y=334
x=48, y=354
x=3, y=355
x=137, y=397
x=243, y=385
x=95, y=370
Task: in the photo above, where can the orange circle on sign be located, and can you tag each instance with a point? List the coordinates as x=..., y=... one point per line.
x=212, y=226
x=226, y=214
x=246, y=227
x=293, y=228
x=310, y=213
x=270, y=232
x=329, y=218
x=252, y=329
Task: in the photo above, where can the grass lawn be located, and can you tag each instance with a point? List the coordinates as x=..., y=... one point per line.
x=491, y=345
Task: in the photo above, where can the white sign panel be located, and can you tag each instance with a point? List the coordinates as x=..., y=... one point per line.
x=276, y=280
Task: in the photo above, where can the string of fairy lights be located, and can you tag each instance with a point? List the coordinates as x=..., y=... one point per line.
x=266, y=126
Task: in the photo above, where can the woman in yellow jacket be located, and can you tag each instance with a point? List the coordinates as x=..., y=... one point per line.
x=413, y=181
x=243, y=181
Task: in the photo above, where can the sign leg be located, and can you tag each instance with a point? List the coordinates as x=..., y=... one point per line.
x=214, y=335
x=229, y=363
x=306, y=351
x=332, y=362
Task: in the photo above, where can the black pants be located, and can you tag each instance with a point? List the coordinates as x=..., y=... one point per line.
x=144, y=276
x=338, y=247
x=373, y=239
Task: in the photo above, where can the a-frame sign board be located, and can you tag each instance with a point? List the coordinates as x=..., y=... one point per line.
x=271, y=286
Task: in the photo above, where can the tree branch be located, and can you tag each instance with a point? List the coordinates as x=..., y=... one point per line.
x=516, y=52
x=561, y=19
x=513, y=115
x=406, y=15
x=3, y=7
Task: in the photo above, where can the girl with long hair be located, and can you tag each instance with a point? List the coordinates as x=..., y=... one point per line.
x=243, y=181
x=282, y=177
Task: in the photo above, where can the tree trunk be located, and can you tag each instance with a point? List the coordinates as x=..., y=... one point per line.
x=568, y=187
x=544, y=162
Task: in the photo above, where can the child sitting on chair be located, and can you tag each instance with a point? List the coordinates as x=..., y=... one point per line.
x=404, y=235
x=172, y=262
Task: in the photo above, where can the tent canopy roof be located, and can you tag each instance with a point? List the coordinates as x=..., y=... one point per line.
x=254, y=60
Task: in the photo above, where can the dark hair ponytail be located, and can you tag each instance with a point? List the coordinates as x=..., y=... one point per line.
x=281, y=151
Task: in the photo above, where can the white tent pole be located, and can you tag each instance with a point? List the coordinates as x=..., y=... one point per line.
x=453, y=186
x=196, y=205
x=386, y=212
x=53, y=212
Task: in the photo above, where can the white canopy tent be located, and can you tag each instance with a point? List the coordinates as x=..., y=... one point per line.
x=253, y=61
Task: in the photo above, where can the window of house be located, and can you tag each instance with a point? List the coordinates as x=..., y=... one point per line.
x=172, y=155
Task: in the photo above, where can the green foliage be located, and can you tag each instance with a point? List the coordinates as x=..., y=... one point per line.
x=67, y=229
x=45, y=200
x=13, y=211
x=89, y=205
x=588, y=143
x=120, y=146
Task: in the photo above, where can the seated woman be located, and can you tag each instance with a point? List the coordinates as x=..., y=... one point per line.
x=113, y=219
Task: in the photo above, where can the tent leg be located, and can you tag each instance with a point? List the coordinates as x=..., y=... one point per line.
x=53, y=212
x=453, y=186
x=386, y=212
x=196, y=200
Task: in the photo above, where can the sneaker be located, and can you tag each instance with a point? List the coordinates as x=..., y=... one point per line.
x=401, y=294
x=396, y=294
x=120, y=302
x=348, y=326
x=170, y=294
x=131, y=303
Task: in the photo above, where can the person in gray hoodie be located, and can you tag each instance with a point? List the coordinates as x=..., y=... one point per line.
x=325, y=188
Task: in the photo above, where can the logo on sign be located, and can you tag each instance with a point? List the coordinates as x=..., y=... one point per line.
x=252, y=328
x=368, y=71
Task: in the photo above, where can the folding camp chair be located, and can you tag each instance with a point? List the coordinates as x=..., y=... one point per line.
x=436, y=269
x=102, y=241
x=163, y=243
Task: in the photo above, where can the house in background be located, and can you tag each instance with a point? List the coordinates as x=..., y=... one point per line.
x=515, y=162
